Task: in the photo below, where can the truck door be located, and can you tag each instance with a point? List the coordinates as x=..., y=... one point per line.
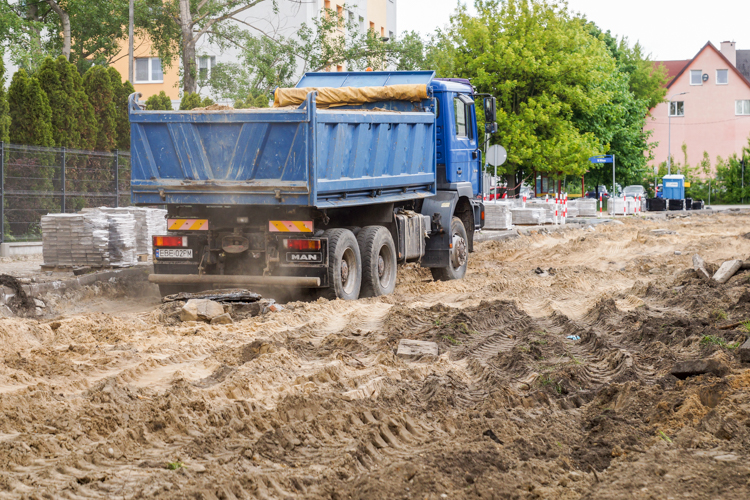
x=463, y=164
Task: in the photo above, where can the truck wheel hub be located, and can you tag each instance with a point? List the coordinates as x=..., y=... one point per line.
x=381, y=266
x=458, y=255
x=344, y=271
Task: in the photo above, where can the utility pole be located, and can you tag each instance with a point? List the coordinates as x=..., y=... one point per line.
x=131, y=16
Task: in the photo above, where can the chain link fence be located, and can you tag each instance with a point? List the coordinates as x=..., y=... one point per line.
x=36, y=181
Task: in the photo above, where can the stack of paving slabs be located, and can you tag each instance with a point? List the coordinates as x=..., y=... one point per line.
x=572, y=210
x=122, y=239
x=156, y=224
x=656, y=204
x=497, y=215
x=548, y=206
x=529, y=216
x=75, y=240
x=586, y=207
x=676, y=204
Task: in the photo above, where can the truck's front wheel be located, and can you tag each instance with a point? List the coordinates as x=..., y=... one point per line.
x=459, y=254
x=378, y=261
x=344, y=265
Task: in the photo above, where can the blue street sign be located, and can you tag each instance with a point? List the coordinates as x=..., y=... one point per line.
x=602, y=159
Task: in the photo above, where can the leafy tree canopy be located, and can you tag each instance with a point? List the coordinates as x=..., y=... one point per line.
x=4, y=111
x=121, y=92
x=101, y=95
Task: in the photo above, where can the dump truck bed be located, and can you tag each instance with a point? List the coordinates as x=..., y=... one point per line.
x=291, y=156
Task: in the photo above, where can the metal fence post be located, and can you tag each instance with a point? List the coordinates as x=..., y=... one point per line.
x=2, y=192
x=62, y=182
x=117, y=178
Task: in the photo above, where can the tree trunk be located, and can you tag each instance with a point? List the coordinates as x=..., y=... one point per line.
x=188, y=48
x=65, y=18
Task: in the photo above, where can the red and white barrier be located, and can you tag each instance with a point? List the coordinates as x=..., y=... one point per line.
x=600, y=205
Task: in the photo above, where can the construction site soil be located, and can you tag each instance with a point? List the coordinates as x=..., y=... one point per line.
x=313, y=402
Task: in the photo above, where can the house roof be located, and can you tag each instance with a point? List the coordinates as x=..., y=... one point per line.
x=711, y=46
x=674, y=68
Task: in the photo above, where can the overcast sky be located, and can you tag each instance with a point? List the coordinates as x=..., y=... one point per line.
x=668, y=29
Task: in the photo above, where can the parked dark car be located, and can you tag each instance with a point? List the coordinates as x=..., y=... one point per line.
x=602, y=190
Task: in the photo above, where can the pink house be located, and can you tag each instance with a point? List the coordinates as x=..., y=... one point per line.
x=709, y=107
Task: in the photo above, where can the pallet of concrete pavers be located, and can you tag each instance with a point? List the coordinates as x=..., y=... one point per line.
x=528, y=216
x=656, y=204
x=497, y=215
x=676, y=205
x=698, y=205
x=549, y=208
x=586, y=207
x=75, y=240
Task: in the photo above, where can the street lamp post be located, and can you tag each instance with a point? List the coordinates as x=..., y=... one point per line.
x=669, y=145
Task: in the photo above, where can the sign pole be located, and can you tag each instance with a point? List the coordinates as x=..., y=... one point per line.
x=614, y=190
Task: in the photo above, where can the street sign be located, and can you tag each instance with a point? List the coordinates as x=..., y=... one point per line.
x=602, y=159
x=496, y=155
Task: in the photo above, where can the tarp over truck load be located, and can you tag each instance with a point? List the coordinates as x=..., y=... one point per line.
x=350, y=96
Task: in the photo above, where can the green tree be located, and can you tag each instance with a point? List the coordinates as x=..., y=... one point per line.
x=122, y=91
x=257, y=100
x=30, y=112
x=4, y=111
x=100, y=91
x=190, y=100
x=58, y=82
x=544, y=68
x=160, y=101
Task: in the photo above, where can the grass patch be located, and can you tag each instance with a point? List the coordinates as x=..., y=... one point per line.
x=464, y=328
x=746, y=326
x=713, y=339
x=539, y=342
x=546, y=380
x=665, y=437
x=719, y=314
x=175, y=465
x=452, y=340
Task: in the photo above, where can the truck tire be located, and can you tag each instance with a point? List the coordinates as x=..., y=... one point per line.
x=344, y=265
x=459, y=255
x=379, y=264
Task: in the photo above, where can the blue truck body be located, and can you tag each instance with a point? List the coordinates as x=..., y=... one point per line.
x=304, y=156
x=410, y=168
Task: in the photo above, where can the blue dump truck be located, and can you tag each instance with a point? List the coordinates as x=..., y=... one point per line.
x=328, y=196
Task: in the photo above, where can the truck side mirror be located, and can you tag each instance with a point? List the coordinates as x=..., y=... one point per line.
x=490, y=115
x=490, y=112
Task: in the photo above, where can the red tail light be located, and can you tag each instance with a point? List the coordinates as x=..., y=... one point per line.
x=170, y=241
x=302, y=245
x=482, y=214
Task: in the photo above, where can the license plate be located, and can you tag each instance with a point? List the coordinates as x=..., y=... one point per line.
x=174, y=253
x=315, y=257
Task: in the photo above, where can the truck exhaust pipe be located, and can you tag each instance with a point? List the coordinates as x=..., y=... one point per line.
x=221, y=279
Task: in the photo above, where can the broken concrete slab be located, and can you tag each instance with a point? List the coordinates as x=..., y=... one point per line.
x=222, y=319
x=224, y=295
x=745, y=351
x=727, y=270
x=410, y=348
x=685, y=369
x=700, y=266
x=200, y=310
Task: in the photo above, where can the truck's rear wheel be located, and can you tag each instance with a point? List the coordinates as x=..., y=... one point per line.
x=459, y=254
x=344, y=265
x=378, y=261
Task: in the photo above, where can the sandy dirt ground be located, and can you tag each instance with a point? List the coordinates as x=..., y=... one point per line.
x=312, y=401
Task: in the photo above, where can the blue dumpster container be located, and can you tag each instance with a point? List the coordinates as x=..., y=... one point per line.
x=674, y=187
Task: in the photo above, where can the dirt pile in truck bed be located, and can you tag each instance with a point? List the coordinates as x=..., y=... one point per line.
x=312, y=402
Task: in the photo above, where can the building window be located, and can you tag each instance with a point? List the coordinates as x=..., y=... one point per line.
x=148, y=70
x=382, y=32
x=742, y=107
x=722, y=76
x=695, y=77
x=677, y=108
x=205, y=65
x=361, y=24
x=390, y=35
x=372, y=26
x=339, y=68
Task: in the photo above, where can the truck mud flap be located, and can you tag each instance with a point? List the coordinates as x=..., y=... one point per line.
x=440, y=209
